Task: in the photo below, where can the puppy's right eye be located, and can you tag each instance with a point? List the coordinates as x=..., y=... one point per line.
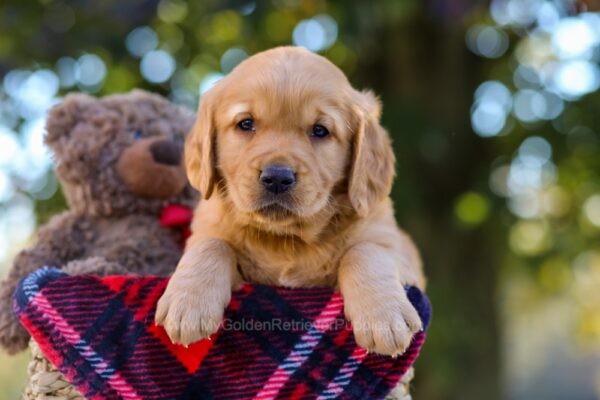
x=247, y=125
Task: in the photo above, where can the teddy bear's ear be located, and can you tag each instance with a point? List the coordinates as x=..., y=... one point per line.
x=63, y=117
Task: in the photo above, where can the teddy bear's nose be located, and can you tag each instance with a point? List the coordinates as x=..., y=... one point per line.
x=166, y=152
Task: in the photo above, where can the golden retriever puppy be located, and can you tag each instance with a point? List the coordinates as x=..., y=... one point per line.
x=296, y=172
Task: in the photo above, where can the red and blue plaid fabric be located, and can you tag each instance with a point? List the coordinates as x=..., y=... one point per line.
x=275, y=343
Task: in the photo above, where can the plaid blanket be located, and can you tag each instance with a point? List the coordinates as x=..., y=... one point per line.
x=275, y=343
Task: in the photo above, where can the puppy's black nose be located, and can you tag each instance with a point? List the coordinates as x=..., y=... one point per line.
x=166, y=152
x=278, y=178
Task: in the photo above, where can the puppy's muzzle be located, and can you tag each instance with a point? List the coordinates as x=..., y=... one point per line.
x=277, y=179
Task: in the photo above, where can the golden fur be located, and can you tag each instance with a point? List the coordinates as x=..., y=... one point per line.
x=338, y=227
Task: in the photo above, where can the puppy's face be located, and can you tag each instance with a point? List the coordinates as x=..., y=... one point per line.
x=281, y=132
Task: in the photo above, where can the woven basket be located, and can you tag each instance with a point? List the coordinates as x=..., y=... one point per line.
x=46, y=383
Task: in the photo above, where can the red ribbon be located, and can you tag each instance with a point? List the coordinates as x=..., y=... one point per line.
x=177, y=217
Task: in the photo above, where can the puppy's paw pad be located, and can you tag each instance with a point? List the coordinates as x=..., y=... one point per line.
x=188, y=318
x=387, y=328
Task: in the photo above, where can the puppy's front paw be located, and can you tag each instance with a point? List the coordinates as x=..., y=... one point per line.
x=383, y=324
x=191, y=314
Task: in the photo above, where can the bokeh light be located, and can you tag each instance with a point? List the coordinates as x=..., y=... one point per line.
x=575, y=37
x=141, y=40
x=524, y=181
x=172, y=11
x=65, y=68
x=487, y=41
x=472, y=208
x=31, y=92
x=209, y=81
x=529, y=105
x=157, y=66
x=530, y=238
x=231, y=58
x=6, y=187
x=248, y=8
x=90, y=72
x=9, y=146
x=493, y=101
x=316, y=34
x=573, y=79
x=518, y=12
x=591, y=209
x=556, y=201
x=557, y=60
x=545, y=177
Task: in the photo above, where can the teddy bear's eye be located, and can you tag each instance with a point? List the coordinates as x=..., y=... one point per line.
x=137, y=135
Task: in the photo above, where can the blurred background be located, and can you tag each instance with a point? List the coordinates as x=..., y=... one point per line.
x=494, y=108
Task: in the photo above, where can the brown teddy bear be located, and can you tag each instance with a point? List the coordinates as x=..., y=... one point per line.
x=119, y=162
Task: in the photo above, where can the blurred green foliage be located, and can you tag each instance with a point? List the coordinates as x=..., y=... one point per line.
x=476, y=241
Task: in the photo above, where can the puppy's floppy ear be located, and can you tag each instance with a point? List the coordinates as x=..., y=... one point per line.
x=373, y=163
x=200, y=160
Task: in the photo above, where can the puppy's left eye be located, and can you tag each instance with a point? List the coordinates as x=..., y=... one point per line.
x=319, y=131
x=247, y=125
